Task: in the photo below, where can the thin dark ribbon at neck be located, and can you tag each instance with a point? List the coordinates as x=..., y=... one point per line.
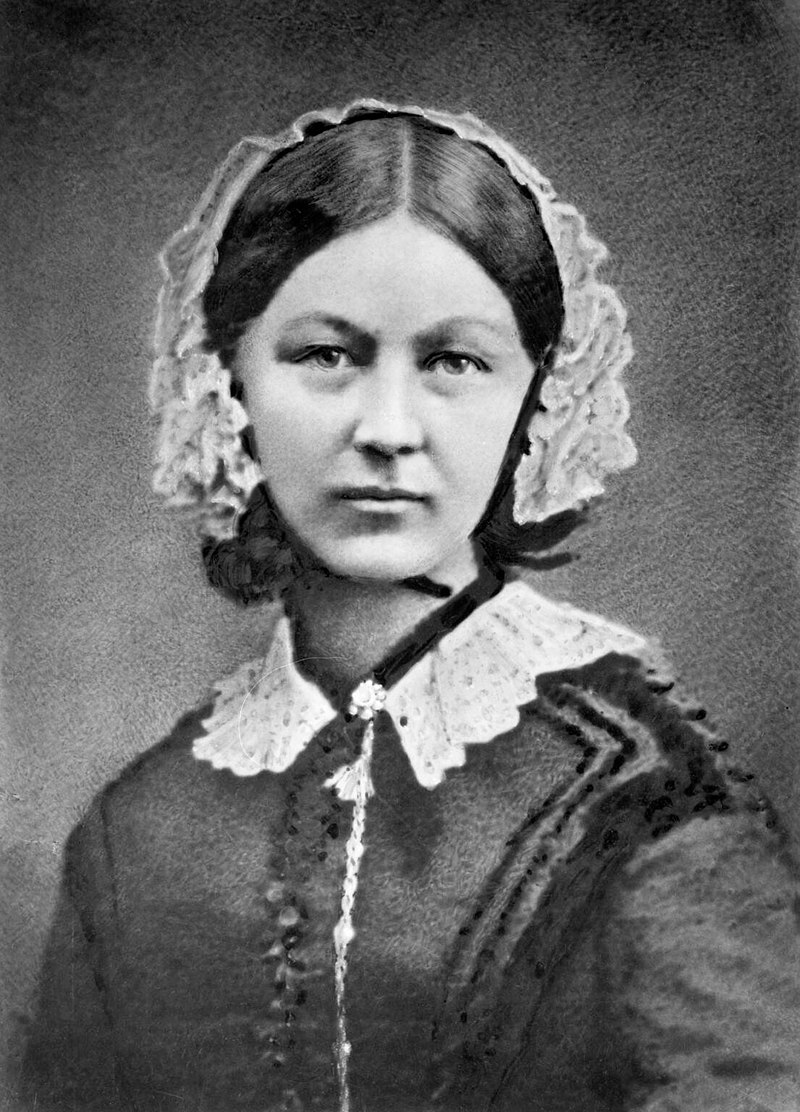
x=413, y=647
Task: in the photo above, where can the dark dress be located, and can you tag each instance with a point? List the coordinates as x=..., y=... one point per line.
x=593, y=913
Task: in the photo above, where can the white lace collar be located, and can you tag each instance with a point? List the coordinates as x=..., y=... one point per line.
x=466, y=691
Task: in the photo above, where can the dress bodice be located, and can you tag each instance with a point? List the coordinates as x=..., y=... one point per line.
x=508, y=922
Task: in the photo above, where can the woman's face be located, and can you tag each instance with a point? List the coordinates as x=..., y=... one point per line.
x=383, y=382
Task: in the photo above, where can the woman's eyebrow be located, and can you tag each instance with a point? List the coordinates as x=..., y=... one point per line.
x=445, y=329
x=345, y=328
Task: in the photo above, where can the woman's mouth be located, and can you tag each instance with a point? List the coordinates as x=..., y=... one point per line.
x=380, y=498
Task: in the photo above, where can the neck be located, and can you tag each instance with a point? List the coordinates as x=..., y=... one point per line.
x=344, y=628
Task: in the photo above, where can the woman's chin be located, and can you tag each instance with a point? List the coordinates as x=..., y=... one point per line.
x=377, y=571
x=393, y=563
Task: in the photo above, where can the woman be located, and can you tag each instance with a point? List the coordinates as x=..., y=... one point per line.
x=449, y=844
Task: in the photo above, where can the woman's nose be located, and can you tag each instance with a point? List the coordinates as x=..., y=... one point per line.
x=388, y=421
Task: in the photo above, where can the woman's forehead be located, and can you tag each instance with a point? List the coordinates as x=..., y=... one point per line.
x=393, y=273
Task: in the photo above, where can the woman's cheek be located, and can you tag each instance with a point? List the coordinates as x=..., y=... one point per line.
x=485, y=451
x=287, y=441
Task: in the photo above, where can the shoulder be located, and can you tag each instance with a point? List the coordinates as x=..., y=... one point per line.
x=655, y=762
x=165, y=770
x=723, y=860
x=169, y=773
x=164, y=796
x=600, y=675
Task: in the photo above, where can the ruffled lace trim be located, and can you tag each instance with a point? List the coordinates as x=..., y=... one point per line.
x=466, y=691
x=265, y=713
x=576, y=439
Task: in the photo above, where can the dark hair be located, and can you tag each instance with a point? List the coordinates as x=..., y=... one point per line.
x=339, y=179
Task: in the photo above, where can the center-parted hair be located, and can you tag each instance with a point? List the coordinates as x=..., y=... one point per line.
x=352, y=175
x=342, y=178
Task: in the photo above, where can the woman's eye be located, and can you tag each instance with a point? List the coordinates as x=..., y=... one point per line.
x=326, y=358
x=453, y=363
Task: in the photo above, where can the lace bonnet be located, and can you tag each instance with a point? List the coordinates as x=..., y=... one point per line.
x=577, y=436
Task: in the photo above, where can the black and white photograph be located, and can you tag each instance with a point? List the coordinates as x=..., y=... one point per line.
x=401, y=544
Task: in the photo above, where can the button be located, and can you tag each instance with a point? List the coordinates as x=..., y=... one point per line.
x=288, y=916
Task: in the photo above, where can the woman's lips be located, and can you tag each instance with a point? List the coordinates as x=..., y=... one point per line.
x=378, y=499
x=379, y=494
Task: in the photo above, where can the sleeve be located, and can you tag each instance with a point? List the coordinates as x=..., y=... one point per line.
x=701, y=955
x=68, y=1061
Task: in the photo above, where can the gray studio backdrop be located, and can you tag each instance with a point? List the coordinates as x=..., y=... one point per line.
x=673, y=125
